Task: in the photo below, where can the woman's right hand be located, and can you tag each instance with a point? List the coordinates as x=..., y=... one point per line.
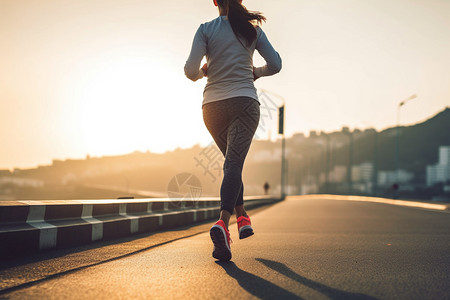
x=254, y=75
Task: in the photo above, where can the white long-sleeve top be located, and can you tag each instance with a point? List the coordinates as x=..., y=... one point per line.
x=230, y=63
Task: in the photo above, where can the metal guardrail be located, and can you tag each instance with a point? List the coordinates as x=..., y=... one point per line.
x=33, y=226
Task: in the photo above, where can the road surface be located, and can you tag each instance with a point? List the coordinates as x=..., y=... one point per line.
x=302, y=249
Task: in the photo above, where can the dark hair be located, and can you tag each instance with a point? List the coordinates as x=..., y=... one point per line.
x=241, y=19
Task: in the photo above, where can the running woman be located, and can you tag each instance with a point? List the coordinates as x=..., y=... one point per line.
x=231, y=109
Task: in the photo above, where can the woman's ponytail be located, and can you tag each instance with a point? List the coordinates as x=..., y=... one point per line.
x=242, y=20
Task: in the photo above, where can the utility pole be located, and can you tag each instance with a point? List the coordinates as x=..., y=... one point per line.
x=283, y=149
x=327, y=163
x=281, y=111
x=375, y=164
x=397, y=146
x=350, y=163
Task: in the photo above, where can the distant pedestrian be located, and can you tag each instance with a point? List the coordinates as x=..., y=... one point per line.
x=266, y=188
x=231, y=109
x=395, y=190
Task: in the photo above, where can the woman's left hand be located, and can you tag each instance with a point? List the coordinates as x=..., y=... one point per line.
x=205, y=69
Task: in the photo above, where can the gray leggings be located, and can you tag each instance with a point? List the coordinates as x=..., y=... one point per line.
x=232, y=124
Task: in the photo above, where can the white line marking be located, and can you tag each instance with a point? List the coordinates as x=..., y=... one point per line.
x=47, y=232
x=36, y=213
x=97, y=225
x=134, y=220
x=47, y=237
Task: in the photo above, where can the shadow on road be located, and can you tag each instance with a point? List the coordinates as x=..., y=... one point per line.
x=330, y=292
x=255, y=285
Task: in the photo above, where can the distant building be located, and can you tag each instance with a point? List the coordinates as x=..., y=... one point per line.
x=444, y=155
x=69, y=178
x=22, y=181
x=440, y=172
x=370, y=130
x=267, y=156
x=5, y=173
x=299, y=135
x=362, y=172
x=388, y=178
x=313, y=134
x=56, y=162
x=298, y=138
x=338, y=174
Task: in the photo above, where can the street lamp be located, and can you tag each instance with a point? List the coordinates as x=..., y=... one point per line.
x=350, y=163
x=281, y=111
x=327, y=163
x=283, y=148
x=375, y=159
x=397, y=143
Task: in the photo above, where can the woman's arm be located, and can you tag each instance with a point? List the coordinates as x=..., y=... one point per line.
x=198, y=51
x=272, y=58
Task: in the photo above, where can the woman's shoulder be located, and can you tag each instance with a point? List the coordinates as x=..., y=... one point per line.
x=259, y=31
x=212, y=26
x=213, y=22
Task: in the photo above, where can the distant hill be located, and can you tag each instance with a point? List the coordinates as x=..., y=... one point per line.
x=418, y=145
x=306, y=156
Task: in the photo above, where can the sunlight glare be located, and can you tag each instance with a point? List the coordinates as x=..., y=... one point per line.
x=121, y=104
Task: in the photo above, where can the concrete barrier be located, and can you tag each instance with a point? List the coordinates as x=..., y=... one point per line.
x=32, y=226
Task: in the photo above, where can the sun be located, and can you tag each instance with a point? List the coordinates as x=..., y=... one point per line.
x=128, y=103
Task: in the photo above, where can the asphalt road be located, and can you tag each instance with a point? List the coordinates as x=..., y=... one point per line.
x=302, y=249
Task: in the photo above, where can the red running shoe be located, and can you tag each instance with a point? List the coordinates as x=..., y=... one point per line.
x=221, y=240
x=244, y=227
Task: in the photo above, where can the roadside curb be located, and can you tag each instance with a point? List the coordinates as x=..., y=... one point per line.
x=417, y=204
x=32, y=226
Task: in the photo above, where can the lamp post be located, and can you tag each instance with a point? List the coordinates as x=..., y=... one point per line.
x=375, y=164
x=283, y=148
x=327, y=164
x=346, y=130
x=375, y=159
x=281, y=110
x=350, y=163
x=397, y=145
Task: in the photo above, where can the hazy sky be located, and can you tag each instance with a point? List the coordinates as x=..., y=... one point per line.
x=105, y=77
